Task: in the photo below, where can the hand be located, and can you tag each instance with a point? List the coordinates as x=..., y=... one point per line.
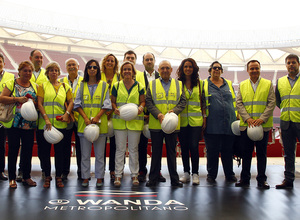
x=204, y=124
x=22, y=99
x=258, y=122
x=140, y=110
x=250, y=122
x=161, y=117
x=48, y=125
x=117, y=112
x=65, y=118
x=171, y=111
x=95, y=120
x=87, y=121
x=108, y=112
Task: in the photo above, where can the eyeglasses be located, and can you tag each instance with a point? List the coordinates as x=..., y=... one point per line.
x=217, y=68
x=92, y=67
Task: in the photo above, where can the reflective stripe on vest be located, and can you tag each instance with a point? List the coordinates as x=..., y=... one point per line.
x=192, y=113
x=255, y=102
x=163, y=102
x=290, y=100
x=123, y=98
x=205, y=87
x=54, y=104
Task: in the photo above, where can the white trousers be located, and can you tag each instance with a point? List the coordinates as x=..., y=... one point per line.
x=133, y=142
x=86, y=149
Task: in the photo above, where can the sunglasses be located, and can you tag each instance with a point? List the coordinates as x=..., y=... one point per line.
x=217, y=68
x=92, y=67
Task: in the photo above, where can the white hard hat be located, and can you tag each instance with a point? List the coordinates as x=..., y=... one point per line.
x=28, y=111
x=255, y=133
x=110, y=132
x=128, y=111
x=91, y=132
x=235, y=127
x=146, y=131
x=53, y=136
x=170, y=122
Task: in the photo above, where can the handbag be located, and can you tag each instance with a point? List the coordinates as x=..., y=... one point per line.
x=6, y=111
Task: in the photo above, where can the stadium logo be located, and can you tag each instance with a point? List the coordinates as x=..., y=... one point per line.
x=116, y=200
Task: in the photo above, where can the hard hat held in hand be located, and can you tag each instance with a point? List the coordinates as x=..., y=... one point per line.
x=255, y=133
x=28, y=111
x=235, y=127
x=91, y=132
x=128, y=111
x=110, y=129
x=170, y=122
x=53, y=136
x=146, y=131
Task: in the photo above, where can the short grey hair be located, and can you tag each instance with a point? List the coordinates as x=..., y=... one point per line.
x=70, y=60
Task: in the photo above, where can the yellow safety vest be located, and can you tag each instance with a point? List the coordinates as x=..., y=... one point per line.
x=123, y=98
x=140, y=78
x=6, y=76
x=41, y=78
x=92, y=106
x=192, y=113
x=66, y=81
x=116, y=78
x=290, y=100
x=54, y=104
x=207, y=95
x=163, y=102
x=10, y=85
x=255, y=103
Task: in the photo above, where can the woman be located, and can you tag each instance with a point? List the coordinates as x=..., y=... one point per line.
x=220, y=112
x=52, y=96
x=92, y=101
x=127, y=90
x=110, y=75
x=191, y=120
x=19, y=129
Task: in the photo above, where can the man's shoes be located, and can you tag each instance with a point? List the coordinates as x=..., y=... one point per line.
x=161, y=178
x=285, y=185
x=263, y=185
x=231, y=179
x=185, y=177
x=210, y=180
x=242, y=183
x=177, y=184
x=3, y=176
x=142, y=176
x=196, y=180
x=151, y=183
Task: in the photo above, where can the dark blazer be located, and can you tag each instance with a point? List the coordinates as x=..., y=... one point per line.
x=146, y=79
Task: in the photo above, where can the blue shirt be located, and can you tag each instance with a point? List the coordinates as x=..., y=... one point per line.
x=221, y=110
x=293, y=81
x=166, y=85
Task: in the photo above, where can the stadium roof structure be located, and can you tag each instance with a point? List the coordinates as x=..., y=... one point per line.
x=22, y=24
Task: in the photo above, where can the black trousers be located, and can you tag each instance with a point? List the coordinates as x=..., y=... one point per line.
x=2, y=148
x=143, y=153
x=44, y=154
x=112, y=153
x=27, y=138
x=67, y=150
x=157, y=145
x=261, y=155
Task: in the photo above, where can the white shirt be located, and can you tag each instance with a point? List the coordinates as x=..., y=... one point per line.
x=74, y=84
x=150, y=77
x=36, y=74
x=254, y=85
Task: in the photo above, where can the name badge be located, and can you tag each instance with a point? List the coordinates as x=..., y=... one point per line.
x=159, y=95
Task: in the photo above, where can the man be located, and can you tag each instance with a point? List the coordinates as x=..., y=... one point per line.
x=4, y=76
x=164, y=95
x=131, y=57
x=255, y=103
x=287, y=99
x=144, y=78
x=74, y=80
x=38, y=77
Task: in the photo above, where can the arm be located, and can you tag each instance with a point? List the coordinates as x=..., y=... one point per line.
x=43, y=112
x=277, y=95
x=142, y=104
x=241, y=109
x=181, y=104
x=271, y=102
x=6, y=99
x=150, y=105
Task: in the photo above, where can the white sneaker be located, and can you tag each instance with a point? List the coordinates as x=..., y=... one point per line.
x=185, y=178
x=196, y=180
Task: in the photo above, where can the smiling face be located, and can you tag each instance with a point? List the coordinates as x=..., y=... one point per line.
x=92, y=69
x=188, y=68
x=254, y=71
x=72, y=67
x=292, y=66
x=37, y=59
x=127, y=71
x=25, y=73
x=216, y=70
x=110, y=63
x=165, y=70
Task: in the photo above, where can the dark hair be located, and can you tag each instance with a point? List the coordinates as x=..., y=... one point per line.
x=32, y=52
x=195, y=75
x=132, y=66
x=148, y=53
x=252, y=61
x=211, y=66
x=2, y=56
x=130, y=52
x=86, y=75
x=292, y=56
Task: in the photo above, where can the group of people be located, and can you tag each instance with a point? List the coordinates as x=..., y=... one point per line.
x=205, y=109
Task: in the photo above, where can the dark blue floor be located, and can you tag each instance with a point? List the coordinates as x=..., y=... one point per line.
x=221, y=201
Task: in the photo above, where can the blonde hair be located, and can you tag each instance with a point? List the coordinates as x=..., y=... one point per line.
x=52, y=65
